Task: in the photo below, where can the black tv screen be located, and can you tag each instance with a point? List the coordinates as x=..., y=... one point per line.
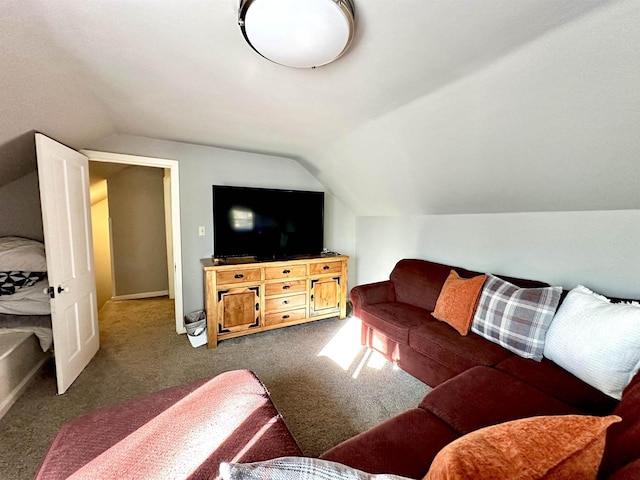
x=266, y=223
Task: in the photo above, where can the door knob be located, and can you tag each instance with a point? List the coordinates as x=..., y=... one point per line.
x=62, y=289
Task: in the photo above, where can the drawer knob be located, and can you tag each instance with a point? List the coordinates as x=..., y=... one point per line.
x=286, y=287
x=286, y=271
x=286, y=302
x=284, y=317
x=326, y=267
x=238, y=275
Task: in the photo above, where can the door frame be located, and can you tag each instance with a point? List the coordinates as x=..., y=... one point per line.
x=172, y=166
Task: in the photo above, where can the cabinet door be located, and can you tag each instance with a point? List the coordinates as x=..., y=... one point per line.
x=238, y=309
x=325, y=296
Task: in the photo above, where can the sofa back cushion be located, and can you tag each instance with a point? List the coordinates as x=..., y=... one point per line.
x=418, y=282
x=556, y=382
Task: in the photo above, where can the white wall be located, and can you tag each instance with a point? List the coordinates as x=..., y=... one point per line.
x=138, y=234
x=20, y=212
x=340, y=232
x=551, y=126
x=598, y=249
x=200, y=168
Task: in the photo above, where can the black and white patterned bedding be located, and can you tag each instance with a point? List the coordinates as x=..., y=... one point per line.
x=24, y=305
x=11, y=282
x=23, y=277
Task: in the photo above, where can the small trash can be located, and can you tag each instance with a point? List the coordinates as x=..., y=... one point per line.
x=196, y=325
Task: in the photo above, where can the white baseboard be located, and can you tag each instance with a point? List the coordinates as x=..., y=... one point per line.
x=138, y=296
x=8, y=402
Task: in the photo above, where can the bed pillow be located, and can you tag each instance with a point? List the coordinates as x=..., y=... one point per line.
x=597, y=341
x=22, y=254
x=549, y=447
x=458, y=300
x=297, y=468
x=515, y=318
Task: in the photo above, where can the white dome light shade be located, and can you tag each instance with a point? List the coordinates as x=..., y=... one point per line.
x=298, y=33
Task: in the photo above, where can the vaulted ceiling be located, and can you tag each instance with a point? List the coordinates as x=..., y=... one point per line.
x=438, y=106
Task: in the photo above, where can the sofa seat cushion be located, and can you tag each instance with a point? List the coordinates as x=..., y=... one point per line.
x=428, y=371
x=557, y=382
x=394, y=319
x=484, y=396
x=441, y=343
x=403, y=445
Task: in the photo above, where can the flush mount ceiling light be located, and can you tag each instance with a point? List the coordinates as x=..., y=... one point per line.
x=297, y=33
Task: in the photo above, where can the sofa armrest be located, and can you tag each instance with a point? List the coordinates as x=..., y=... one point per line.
x=379, y=292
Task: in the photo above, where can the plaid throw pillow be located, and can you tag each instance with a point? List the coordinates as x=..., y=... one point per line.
x=297, y=468
x=515, y=318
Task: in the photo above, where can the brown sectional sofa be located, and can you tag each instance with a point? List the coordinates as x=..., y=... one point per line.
x=477, y=383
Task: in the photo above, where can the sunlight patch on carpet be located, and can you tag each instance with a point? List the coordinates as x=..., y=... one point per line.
x=344, y=347
x=346, y=351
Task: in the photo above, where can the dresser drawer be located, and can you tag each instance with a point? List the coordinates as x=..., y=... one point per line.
x=284, y=317
x=272, y=273
x=238, y=276
x=280, y=288
x=327, y=267
x=280, y=303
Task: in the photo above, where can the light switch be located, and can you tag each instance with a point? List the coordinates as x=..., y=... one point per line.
x=201, y=230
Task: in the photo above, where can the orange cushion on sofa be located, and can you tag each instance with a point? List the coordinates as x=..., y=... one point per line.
x=550, y=447
x=458, y=300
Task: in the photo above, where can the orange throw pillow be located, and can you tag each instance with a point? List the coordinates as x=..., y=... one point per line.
x=458, y=300
x=550, y=448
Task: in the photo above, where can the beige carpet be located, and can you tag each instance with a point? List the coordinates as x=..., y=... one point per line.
x=327, y=387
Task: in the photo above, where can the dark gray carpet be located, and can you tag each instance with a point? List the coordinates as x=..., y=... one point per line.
x=327, y=387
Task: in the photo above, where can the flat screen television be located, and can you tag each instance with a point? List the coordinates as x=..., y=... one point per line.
x=266, y=223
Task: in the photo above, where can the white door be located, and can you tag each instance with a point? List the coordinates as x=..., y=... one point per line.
x=66, y=212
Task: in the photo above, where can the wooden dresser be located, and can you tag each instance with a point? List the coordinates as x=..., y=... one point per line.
x=243, y=296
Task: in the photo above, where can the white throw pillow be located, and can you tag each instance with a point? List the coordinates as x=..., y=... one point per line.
x=597, y=341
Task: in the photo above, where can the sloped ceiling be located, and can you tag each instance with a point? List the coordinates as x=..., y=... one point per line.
x=415, y=118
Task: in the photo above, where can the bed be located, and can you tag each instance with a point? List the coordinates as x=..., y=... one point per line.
x=26, y=337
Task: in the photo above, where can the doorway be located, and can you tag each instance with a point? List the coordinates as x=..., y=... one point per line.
x=168, y=169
